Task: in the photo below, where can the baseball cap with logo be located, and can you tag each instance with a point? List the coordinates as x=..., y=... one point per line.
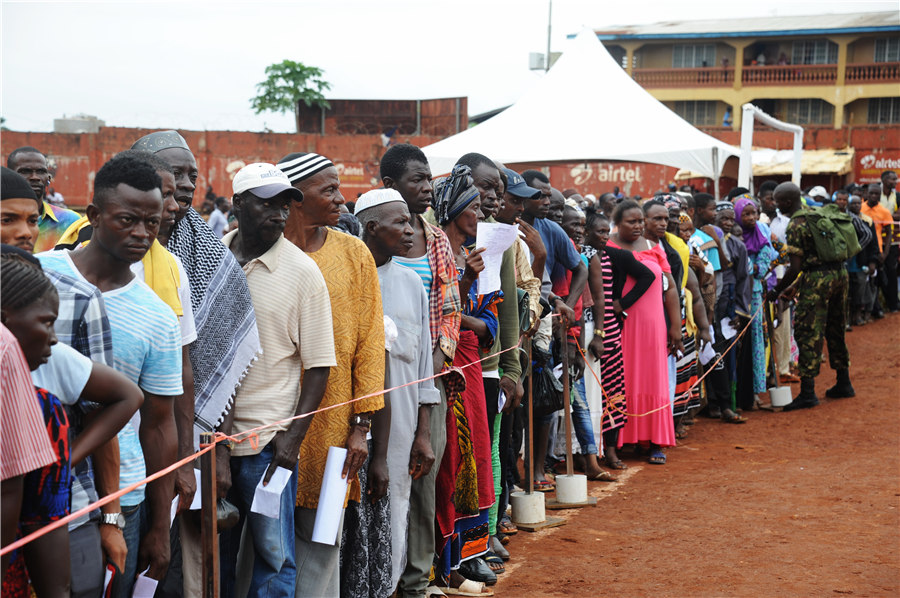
x=264, y=180
x=516, y=185
x=818, y=191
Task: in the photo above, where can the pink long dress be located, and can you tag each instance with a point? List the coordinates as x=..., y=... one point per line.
x=646, y=369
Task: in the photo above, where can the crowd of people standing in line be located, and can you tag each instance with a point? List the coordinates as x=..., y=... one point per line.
x=131, y=330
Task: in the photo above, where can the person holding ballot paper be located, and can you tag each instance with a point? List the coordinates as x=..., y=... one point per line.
x=293, y=313
x=356, y=321
x=465, y=485
x=501, y=369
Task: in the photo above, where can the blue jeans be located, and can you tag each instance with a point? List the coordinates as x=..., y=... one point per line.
x=581, y=419
x=135, y=526
x=274, y=567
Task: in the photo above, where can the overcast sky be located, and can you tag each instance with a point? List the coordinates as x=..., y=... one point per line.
x=194, y=65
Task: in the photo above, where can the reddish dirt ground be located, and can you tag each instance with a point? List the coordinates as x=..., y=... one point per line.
x=789, y=504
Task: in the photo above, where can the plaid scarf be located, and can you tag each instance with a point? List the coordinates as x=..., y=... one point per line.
x=227, y=338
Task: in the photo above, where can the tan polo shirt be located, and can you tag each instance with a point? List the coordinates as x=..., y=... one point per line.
x=293, y=314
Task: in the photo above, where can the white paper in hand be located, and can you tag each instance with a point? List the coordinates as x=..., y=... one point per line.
x=728, y=331
x=557, y=371
x=107, y=578
x=331, y=498
x=707, y=353
x=173, y=510
x=144, y=587
x=197, y=502
x=267, y=499
x=495, y=238
x=501, y=401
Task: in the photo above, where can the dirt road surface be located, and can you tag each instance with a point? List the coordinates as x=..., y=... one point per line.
x=790, y=504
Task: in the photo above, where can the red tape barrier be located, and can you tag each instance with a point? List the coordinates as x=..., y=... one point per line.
x=248, y=435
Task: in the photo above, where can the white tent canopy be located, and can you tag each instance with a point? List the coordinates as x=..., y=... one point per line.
x=586, y=108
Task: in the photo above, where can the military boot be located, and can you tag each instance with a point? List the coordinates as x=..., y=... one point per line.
x=843, y=389
x=807, y=397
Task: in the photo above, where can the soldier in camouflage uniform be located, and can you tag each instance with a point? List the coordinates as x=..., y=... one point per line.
x=821, y=312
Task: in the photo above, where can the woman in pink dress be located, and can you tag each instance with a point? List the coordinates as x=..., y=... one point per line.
x=646, y=339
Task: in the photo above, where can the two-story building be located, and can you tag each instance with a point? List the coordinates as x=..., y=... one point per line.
x=815, y=70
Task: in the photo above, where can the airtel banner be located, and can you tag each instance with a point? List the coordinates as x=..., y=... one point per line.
x=870, y=165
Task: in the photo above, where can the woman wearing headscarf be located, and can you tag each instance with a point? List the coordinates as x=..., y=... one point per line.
x=465, y=486
x=752, y=356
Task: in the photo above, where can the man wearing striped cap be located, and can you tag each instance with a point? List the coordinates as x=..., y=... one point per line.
x=352, y=280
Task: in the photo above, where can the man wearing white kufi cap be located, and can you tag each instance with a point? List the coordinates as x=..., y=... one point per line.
x=385, y=222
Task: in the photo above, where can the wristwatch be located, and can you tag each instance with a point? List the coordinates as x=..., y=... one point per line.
x=362, y=422
x=117, y=519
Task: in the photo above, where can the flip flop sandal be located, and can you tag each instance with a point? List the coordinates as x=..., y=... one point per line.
x=508, y=527
x=657, y=457
x=617, y=464
x=603, y=476
x=494, y=562
x=544, y=486
x=730, y=417
x=468, y=588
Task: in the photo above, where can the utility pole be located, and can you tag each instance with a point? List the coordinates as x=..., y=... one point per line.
x=549, y=29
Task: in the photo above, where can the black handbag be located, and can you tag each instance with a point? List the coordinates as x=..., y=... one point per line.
x=524, y=310
x=548, y=390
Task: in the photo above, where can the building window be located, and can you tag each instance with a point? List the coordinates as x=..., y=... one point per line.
x=810, y=112
x=820, y=51
x=884, y=111
x=689, y=56
x=698, y=113
x=887, y=49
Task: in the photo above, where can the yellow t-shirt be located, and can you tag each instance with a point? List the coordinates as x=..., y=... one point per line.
x=683, y=252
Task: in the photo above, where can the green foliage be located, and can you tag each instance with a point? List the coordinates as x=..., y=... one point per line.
x=288, y=82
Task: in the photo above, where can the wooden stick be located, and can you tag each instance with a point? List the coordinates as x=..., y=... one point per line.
x=771, y=328
x=209, y=543
x=567, y=394
x=529, y=457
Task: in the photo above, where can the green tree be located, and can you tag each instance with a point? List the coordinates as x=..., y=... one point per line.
x=287, y=83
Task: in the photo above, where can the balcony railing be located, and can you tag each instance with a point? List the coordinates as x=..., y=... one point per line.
x=700, y=77
x=769, y=75
x=791, y=74
x=879, y=72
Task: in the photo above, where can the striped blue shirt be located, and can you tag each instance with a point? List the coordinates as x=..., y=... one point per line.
x=146, y=348
x=420, y=266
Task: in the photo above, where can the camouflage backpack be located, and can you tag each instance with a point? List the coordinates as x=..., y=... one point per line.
x=833, y=233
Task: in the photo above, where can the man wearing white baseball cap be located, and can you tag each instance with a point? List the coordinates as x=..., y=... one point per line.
x=265, y=181
x=819, y=196
x=293, y=314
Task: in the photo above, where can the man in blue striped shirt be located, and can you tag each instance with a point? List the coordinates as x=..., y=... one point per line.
x=126, y=213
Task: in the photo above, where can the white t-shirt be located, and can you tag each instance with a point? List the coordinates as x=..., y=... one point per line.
x=65, y=374
x=185, y=321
